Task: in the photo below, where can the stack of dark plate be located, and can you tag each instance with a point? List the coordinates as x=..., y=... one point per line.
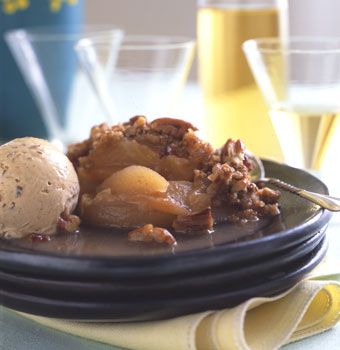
x=100, y=275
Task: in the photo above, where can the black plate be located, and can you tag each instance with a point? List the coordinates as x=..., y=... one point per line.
x=146, y=309
x=166, y=286
x=95, y=253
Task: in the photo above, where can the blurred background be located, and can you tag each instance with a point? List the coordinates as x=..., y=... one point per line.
x=158, y=17
x=178, y=17
x=237, y=113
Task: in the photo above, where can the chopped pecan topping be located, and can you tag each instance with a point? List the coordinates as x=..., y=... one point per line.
x=68, y=223
x=200, y=222
x=150, y=233
x=173, y=127
x=268, y=195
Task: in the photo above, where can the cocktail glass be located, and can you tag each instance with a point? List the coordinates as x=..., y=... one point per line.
x=300, y=81
x=48, y=62
x=144, y=77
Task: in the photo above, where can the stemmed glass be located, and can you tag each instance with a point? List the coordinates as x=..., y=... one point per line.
x=49, y=65
x=300, y=81
x=145, y=76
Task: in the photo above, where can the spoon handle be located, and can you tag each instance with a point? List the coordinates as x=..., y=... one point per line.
x=324, y=201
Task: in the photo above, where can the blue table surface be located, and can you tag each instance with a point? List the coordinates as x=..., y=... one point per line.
x=17, y=333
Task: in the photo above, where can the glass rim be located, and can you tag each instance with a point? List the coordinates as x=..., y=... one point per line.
x=59, y=32
x=281, y=46
x=140, y=42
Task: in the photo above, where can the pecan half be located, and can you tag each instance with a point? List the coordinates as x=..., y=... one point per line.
x=150, y=233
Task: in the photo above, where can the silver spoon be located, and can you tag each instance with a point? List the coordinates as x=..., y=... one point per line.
x=324, y=201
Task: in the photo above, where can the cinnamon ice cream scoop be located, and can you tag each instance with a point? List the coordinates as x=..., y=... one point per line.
x=39, y=188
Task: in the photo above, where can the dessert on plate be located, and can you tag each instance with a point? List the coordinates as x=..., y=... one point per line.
x=161, y=176
x=151, y=178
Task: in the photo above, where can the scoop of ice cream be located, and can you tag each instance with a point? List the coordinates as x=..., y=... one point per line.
x=38, y=188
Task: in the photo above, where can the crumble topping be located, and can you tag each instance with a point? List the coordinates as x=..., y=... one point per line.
x=200, y=178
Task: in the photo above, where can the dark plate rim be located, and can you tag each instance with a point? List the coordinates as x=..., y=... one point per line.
x=234, y=273
x=273, y=286
x=270, y=266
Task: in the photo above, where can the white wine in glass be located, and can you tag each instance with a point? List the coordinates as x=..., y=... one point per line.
x=300, y=80
x=304, y=134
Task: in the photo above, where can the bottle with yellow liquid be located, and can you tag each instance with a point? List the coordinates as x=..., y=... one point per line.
x=234, y=105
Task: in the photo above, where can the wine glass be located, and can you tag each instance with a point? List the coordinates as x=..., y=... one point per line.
x=48, y=62
x=143, y=77
x=300, y=81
